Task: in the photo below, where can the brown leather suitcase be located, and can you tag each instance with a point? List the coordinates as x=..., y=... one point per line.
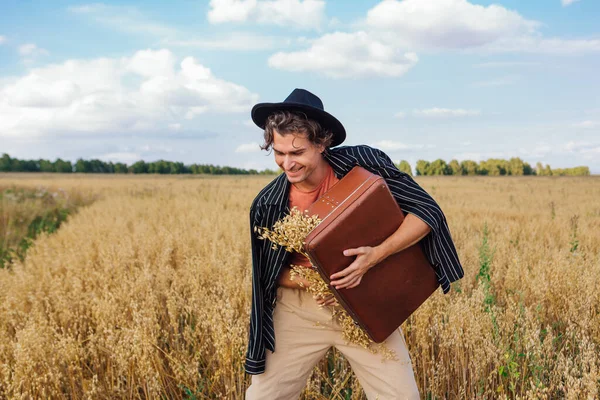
x=360, y=210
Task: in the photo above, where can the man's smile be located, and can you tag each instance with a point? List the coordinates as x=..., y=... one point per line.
x=295, y=171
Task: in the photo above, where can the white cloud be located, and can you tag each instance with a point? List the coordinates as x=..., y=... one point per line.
x=458, y=24
x=446, y=23
x=248, y=148
x=437, y=112
x=566, y=3
x=587, y=124
x=347, y=55
x=157, y=148
x=505, y=64
x=141, y=93
x=474, y=156
x=305, y=14
x=88, y=8
x=390, y=145
x=30, y=52
x=2, y=39
x=130, y=20
x=124, y=157
x=581, y=147
x=245, y=41
x=231, y=10
x=539, y=151
x=393, y=29
x=502, y=81
x=35, y=91
x=334, y=23
x=123, y=19
x=540, y=45
x=152, y=63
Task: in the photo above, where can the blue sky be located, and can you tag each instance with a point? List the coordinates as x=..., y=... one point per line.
x=419, y=79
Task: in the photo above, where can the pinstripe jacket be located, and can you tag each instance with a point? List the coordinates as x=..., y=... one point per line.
x=271, y=204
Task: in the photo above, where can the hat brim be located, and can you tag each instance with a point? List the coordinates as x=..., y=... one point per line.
x=260, y=113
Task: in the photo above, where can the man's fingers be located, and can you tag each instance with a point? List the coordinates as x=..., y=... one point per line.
x=354, y=252
x=326, y=301
x=343, y=282
x=331, y=302
x=350, y=252
x=355, y=284
x=349, y=280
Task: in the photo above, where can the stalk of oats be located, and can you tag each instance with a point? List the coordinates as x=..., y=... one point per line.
x=290, y=232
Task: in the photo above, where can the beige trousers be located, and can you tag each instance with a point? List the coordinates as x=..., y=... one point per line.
x=301, y=343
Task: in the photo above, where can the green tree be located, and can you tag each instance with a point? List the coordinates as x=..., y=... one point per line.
x=469, y=167
x=139, y=167
x=493, y=166
x=455, y=167
x=30, y=166
x=176, y=168
x=516, y=166
x=580, y=171
x=82, y=165
x=439, y=167
x=63, y=166
x=120, y=168
x=5, y=163
x=539, y=168
x=99, y=167
x=46, y=166
x=422, y=167
x=404, y=166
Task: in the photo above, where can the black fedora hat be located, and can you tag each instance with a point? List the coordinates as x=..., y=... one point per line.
x=306, y=102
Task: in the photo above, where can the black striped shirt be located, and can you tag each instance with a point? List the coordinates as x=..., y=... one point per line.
x=271, y=204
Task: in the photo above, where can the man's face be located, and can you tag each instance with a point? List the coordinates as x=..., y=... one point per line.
x=296, y=155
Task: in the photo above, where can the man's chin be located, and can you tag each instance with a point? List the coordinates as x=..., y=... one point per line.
x=295, y=179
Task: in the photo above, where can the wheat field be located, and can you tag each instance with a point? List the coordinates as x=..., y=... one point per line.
x=145, y=293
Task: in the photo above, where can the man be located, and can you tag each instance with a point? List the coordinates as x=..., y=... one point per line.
x=285, y=342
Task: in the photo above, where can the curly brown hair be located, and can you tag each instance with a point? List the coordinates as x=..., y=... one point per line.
x=286, y=122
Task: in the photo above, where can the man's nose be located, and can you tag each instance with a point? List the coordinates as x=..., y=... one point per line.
x=288, y=163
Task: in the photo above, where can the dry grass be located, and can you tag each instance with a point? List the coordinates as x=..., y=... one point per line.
x=27, y=211
x=146, y=294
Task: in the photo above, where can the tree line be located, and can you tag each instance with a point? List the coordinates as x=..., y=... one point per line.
x=493, y=167
x=9, y=164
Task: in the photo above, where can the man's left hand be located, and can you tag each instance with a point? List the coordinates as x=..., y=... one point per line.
x=366, y=257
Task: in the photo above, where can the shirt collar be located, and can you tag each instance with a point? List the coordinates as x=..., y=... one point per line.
x=340, y=160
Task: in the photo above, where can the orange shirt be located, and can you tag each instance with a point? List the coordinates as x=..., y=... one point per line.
x=303, y=200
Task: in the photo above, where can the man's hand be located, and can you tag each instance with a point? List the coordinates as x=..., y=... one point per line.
x=329, y=300
x=366, y=257
x=408, y=233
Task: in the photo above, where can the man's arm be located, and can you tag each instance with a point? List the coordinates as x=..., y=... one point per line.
x=410, y=232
